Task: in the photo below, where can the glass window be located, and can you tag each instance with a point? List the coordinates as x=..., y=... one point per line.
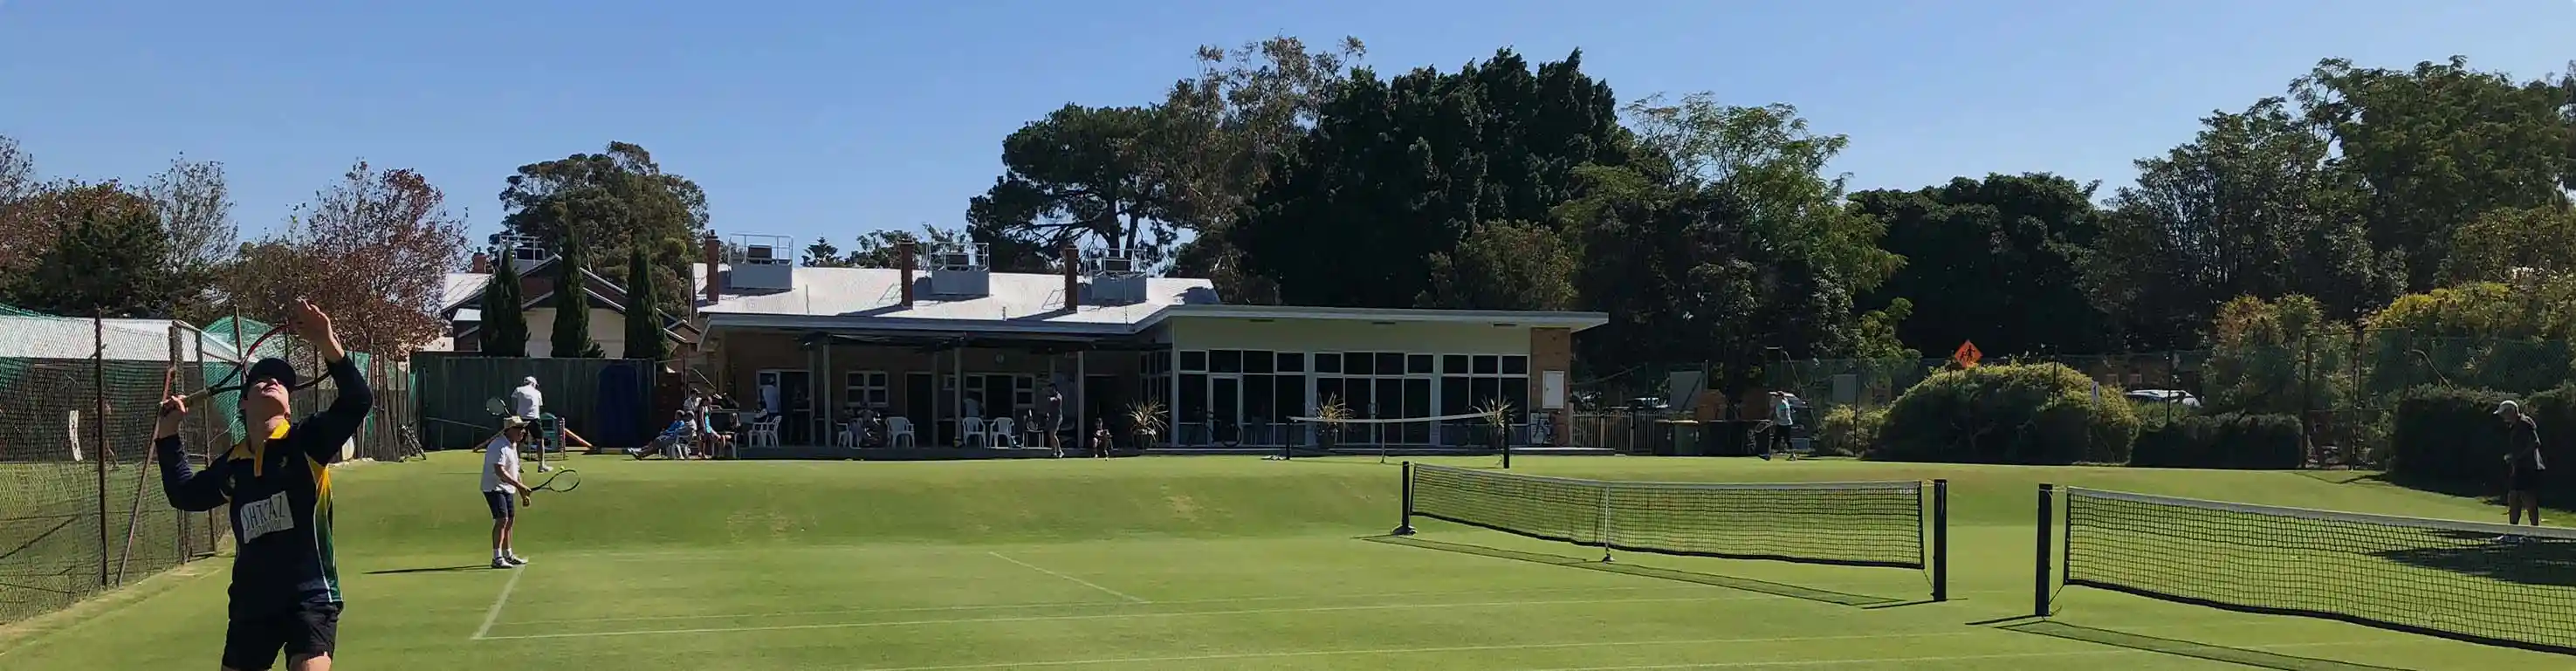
x=1516, y=392
x=1486, y=364
x=1454, y=364
x=1358, y=363
x=1225, y=361
x=1258, y=403
x=1194, y=400
x=1194, y=361
x=1255, y=361
x=1482, y=392
x=1418, y=363
x=1454, y=396
x=1292, y=362
x=1328, y=363
x=1390, y=363
x=1515, y=365
x=1329, y=390
x=1290, y=394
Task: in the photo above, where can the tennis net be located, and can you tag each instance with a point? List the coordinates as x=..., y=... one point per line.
x=2487, y=583
x=1849, y=523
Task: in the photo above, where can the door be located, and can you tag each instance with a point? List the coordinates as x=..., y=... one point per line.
x=796, y=397
x=919, y=396
x=1225, y=408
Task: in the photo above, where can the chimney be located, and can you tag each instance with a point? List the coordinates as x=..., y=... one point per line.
x=1072, y=278
x=715, y=274
x=482, y=262
x=903, y=259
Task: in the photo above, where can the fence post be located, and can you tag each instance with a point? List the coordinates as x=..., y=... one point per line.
x=1405, y=526
x=178, y=518
x=1940, y=540
x=98, y=397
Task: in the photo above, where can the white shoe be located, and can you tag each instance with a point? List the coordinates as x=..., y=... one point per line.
x=515, y=560
x=498, y=562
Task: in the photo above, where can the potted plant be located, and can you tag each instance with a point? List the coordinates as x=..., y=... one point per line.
x=1145, y=421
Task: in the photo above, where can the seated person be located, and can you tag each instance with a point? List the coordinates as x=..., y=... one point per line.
x=674, y=440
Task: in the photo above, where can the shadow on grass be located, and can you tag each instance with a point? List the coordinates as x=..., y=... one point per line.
x=2529, y=561
x=434, y=569
x=2217, y=653
x=1730, y=582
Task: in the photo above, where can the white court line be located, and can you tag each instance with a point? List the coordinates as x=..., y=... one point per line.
x=1747, y=596
x=1543, y=646
x=1085, y=583
x=495, y=614
x=1093, y=616
x=1415, y=651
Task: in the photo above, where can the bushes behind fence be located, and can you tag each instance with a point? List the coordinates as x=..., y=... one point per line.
x=2252, y=441
x=2009, y=414
x=2449, y=437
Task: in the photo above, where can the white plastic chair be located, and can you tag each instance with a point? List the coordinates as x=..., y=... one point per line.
x=764, y=433
x=1002, y=436
x=899, y=432
x=970, y=432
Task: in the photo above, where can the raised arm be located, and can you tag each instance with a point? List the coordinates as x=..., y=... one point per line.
x=326, y=431
x=187, y=488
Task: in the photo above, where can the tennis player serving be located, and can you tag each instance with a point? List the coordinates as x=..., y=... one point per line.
x=286, y=588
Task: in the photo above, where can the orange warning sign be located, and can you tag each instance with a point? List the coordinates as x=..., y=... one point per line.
x=1967, y=355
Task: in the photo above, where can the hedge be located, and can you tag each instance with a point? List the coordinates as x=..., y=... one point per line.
x=2251, y=441
x=2450, y=438
x=1847, y=431
x=2009, y=414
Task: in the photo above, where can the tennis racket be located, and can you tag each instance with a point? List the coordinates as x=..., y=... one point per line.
x=564, y=480
x=496, y=406
x=232, y=382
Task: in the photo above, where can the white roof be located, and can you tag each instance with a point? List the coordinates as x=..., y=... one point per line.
x=75, y=338
x=461, y=286
x=1035, y=299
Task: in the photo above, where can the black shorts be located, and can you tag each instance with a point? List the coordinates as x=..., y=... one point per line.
x=255, y=636
x=2524, y=481
x=503, y=507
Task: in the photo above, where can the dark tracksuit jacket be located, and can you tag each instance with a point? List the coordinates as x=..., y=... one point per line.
x=280, y=496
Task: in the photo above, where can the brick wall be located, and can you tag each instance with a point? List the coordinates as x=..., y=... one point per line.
x=1552, y=349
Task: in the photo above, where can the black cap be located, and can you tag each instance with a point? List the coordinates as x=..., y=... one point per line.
x=271, y=369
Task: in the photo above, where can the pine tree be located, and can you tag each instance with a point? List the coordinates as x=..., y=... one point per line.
x=505, y=322
x=572, y=305
x=643, y=320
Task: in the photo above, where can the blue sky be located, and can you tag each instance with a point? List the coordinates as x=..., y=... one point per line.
x=832, y=118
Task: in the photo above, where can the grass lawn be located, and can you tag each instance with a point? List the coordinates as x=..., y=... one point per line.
x=1195, y=563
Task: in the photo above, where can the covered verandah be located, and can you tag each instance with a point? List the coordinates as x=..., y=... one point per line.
x=876, y=388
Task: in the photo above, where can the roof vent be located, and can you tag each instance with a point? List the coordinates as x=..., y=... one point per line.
x=762, y=262
x=961, y=269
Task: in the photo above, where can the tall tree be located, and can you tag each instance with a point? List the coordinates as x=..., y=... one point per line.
x=2438, y=145
x=1076, y=175
x=1220, y=134
x=823, y=254
x=1724, y=239
x=2493, y=246
x=373, y=248
x=2252, y=206
x=108, y=254
x=1507, y=265
x=614, y=199
x=1991, y=261
x=643, y=312
x=572, y=301
x=875, y=249
x=23, y=236
x=1395, y=171
x=504, y=330
x=196, y=213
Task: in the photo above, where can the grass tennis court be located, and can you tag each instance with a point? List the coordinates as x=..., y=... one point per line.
x=1196, y=563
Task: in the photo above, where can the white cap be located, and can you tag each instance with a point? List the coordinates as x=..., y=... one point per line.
x=2507, y=405
x=529, y=379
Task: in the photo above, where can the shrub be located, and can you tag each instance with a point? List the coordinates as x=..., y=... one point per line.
x=2011, y=414
x=2221, y=441
x=1849, y=432
x=2435, y=438
x=2449, y=438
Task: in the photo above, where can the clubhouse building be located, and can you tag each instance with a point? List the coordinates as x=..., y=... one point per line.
x=952, y=349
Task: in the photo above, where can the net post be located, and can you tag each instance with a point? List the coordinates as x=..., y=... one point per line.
x=2039, y=585
x=1940, y=540
x=1404, y=524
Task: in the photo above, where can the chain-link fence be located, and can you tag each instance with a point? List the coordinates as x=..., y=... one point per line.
x=81, y=505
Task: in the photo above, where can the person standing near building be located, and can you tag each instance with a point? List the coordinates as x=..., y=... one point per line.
x=1050, y=414
x=502, y=488
x=1784, y=419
